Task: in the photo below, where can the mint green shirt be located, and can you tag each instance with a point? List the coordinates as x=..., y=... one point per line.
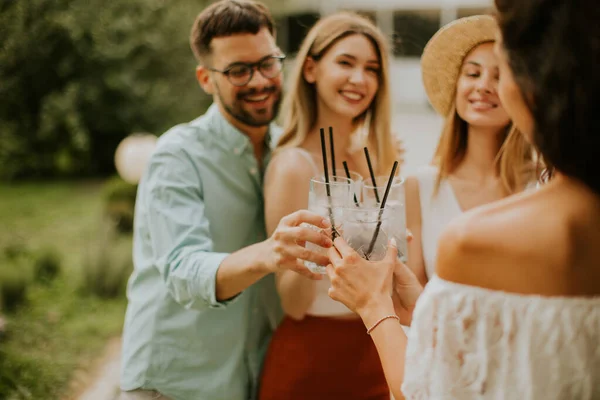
x=200, y=199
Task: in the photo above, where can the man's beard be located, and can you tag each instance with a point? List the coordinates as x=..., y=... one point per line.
x=237, y=111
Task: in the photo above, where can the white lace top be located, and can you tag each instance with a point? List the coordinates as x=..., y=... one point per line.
x=473, y=343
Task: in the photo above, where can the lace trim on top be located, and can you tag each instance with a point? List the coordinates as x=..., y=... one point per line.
x=467, y=342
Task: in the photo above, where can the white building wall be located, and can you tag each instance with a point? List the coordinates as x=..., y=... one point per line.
x=406, y=83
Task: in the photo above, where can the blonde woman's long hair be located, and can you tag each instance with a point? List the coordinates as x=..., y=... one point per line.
x=514, y=161
x=300, y=105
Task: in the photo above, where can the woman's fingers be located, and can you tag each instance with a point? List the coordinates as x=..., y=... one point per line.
x=305, y=216
x=392, y=251
x=334, y=256
x=303, y=234
x=301, y=269
x=343, y=248
x=330, y=272
x=302, y=253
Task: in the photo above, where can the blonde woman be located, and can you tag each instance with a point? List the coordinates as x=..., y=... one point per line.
x=320, y=350
x=480, y=158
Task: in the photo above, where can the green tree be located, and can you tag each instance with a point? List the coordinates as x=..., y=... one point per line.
x=76, y=76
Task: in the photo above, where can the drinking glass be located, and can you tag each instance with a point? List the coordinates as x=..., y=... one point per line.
x=368, y=230
x=357, y=184
x=395, y=203
x=329, y=206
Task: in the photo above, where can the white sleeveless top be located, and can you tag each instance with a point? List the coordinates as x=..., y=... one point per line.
x=468, y=343
x=322, y=305
x=436, y=212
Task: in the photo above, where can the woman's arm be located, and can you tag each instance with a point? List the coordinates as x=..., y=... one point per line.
x=416, y=262
x=415, y=251
x=407, y=289
x=390, y=341
x=286, y=189
x=364, y=287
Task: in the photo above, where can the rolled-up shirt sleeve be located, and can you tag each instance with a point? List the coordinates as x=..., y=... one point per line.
x=180, y=231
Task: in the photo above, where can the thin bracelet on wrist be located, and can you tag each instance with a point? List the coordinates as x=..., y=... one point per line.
x=380, y=320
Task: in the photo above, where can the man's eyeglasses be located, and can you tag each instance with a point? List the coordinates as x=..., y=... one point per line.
x=239, y=74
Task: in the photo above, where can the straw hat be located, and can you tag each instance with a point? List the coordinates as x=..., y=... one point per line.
x=444, y=54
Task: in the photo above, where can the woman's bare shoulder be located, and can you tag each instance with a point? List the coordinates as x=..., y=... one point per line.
x=411, y=185
x=524, y=243
x=289, y=164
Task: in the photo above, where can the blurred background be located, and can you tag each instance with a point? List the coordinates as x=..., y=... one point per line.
x=77, y=77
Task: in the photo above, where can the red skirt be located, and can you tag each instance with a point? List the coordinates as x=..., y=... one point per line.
x=320, y=358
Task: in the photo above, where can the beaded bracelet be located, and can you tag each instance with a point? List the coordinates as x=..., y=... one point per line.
x=380, y=321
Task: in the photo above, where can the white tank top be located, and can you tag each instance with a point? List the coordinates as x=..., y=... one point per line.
x=322, y=305
x=436, y=212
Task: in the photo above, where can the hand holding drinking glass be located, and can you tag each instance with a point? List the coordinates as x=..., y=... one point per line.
x=361, y=285
x=286, y=246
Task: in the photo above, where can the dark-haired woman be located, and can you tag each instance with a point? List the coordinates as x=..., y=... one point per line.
x=514, y=310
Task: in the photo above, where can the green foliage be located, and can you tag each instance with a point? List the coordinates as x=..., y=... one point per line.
x=116, y=189
x=119, y=203
x=56, y=333
x=20, y=267
x=58, y=330
x=16, y=276
x=14, y=283
x=46, y=265
x=15, y=250
x=108, y=264
x=77, y=76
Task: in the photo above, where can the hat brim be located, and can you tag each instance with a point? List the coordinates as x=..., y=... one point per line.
x=444, y=54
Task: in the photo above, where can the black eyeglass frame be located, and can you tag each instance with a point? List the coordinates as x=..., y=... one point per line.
x=252, y=67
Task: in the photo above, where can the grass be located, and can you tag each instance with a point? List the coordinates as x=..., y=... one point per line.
x=63, y=215
x=59, y=329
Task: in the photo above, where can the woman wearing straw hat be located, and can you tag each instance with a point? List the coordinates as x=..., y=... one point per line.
x=340, y=80
x=513, y=311
x=480, y=157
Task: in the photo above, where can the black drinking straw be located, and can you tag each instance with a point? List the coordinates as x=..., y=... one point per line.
x=333, y=173
x=348, y=175
x=326, y=172
x=381, y=207
x=372, y=174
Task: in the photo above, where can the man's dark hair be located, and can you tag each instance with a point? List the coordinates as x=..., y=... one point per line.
x=226, y=18
x=553, y=49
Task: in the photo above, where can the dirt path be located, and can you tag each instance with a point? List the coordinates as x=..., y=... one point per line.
x=101, y=382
